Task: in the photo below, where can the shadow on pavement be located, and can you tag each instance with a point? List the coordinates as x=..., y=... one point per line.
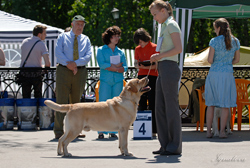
x=97, y=157
x=165, y=159
x=75, y=140
x=195, y=136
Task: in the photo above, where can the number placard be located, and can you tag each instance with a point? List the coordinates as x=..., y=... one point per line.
x=143, y=125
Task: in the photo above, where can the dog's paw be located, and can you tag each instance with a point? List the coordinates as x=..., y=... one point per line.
x=122, y=152
x=59, y=153
x=67, y=155
x=128, y=154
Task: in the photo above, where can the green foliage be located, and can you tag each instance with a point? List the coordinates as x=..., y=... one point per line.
x=133, y=15
x=240, y=29
x=202, y=32
x=5, y=5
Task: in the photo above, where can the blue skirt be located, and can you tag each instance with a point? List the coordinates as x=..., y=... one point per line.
x=220, y=90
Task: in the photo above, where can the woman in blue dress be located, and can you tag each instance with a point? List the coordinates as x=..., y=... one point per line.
x=220, y=88
x=112, y=63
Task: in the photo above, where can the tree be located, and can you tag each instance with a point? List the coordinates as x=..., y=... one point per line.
x=133, y=15
x=202, y=32
x=5, y=5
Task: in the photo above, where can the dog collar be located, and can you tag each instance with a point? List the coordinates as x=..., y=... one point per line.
x=130, y=100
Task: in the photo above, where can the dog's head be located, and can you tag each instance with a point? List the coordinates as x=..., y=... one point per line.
x=138, y=85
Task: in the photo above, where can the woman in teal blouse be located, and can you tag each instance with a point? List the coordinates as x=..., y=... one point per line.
x=112, y=63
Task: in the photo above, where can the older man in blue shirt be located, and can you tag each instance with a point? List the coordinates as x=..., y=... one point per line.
x=73, y=52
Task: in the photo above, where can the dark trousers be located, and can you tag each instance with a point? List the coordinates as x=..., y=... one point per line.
x=28, y=83
x=168, y=117
x=150, y=97
x=69, y=87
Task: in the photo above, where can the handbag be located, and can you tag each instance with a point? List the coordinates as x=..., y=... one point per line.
x=19, y=78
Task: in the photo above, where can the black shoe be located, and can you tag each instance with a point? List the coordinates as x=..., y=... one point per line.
x=168, y=153
x=57, y=136
x=81, y=136
x=157, y=152
x=100, y=136
x=112, y=135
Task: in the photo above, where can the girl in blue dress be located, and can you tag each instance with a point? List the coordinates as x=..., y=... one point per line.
x=111, y=73
x=220, y=88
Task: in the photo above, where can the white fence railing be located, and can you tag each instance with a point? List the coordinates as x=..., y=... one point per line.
x=128, y=53
x=13, y=55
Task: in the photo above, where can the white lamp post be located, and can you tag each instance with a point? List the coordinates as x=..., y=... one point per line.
x=115, y=13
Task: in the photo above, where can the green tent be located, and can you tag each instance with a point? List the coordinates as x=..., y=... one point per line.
x=186, y=10
x=214, y=8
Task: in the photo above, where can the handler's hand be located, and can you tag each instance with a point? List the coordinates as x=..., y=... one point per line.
x=142, y=66
x=154, y=58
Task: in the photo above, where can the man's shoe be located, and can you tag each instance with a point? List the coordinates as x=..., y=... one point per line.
x=100, y=136
x=154, y=135
x=168, y=153
x=157, y=152
x=57, y=136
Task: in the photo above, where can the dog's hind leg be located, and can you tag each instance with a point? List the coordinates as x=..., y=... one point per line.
x=59, y=147
x=70, y=135
x=66, y=139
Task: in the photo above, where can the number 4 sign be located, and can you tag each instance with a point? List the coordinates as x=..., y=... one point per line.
x=143, y=125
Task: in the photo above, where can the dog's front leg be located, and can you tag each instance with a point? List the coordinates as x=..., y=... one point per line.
x=124, y=142
x=122, y=152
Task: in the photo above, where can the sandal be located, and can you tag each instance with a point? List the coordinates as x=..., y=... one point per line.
x=209, y=135
x=100, y=136
x=222, y=135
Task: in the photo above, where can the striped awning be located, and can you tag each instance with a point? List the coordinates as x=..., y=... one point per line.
x=15, y=28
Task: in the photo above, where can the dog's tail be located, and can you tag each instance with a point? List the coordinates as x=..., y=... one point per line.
x=57, y=107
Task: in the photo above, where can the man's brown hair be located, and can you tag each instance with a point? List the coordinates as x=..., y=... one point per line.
x=38, y=29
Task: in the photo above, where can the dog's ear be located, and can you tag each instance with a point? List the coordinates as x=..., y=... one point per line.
x=132, y=88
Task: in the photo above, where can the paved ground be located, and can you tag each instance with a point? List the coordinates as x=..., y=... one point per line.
x=37, y=149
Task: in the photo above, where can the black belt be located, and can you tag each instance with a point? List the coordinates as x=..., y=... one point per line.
x=79, y=67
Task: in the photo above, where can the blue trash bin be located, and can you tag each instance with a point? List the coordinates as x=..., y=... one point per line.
x=26, y=112
x=7, y=113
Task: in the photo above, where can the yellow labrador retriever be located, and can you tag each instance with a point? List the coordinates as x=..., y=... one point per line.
x=115, y=114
